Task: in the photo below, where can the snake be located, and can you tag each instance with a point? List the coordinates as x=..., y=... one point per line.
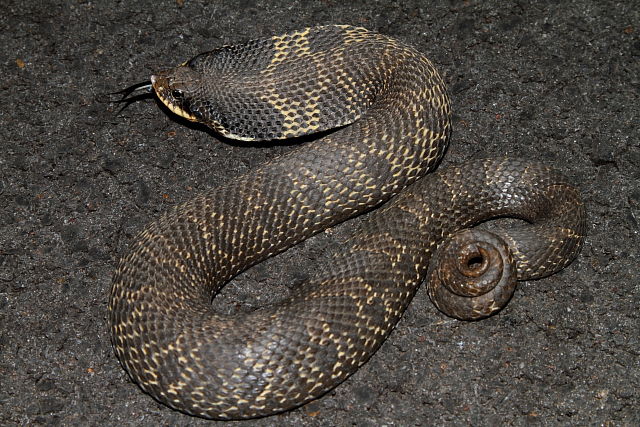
x=384, y=119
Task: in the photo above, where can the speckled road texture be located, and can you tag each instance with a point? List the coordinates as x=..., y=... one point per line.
x=553, y=81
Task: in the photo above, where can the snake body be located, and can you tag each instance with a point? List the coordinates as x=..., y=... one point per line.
x=192, y=359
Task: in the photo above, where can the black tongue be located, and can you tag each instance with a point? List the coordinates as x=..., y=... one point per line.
x=129, y=95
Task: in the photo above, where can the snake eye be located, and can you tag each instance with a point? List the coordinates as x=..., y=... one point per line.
x=177, y=94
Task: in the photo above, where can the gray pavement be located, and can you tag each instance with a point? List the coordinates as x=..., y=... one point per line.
x=556, y=82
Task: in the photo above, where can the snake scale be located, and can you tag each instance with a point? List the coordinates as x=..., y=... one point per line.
x=193, y=359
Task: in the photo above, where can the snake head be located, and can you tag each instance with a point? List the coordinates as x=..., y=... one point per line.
x=183, y=90
x=176, y=88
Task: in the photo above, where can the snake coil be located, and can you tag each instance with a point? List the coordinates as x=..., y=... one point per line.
x=195, y=360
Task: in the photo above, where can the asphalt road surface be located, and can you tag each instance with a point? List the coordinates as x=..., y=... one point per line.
x=557, y=82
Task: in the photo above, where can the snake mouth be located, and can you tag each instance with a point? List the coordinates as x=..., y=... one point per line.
x=172, y=98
